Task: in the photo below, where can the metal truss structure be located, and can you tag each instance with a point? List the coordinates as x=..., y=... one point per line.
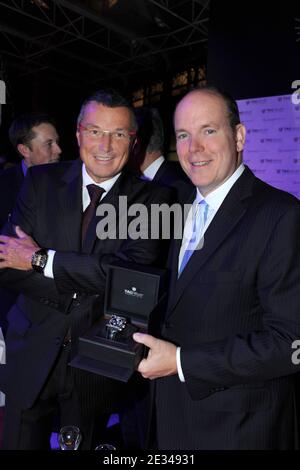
x=95, y=41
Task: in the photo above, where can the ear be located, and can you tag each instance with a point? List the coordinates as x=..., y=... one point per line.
x=78, y=138
x=23, y=150
x=240, y=137
x=133, y=144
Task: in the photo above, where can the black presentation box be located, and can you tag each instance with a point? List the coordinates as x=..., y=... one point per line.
x=133, y=292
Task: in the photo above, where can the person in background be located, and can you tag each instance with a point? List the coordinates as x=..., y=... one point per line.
x=148, y=159
x=223, y=366
x=36, y=140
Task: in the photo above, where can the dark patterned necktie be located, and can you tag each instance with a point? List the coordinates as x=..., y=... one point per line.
x=95, y=193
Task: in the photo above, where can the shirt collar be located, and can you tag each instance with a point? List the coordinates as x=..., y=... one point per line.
x=106, y=185
x=152, y=169
x=216, y=197
x=24, y=167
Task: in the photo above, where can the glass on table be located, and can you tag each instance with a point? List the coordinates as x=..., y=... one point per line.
x=69, y=437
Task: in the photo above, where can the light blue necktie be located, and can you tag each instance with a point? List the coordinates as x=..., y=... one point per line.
x=199, y=220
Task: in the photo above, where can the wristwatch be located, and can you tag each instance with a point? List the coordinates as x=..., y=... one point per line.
x=115, y=325
x=39, y=260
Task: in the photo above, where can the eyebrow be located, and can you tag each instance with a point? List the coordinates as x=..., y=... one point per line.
x=99, y=127
x=51, y=140
x=204, y=126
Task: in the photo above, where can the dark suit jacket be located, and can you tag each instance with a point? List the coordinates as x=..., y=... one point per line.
x=50, y=210
x=11, y=181
x=10, y=184
x=170, y=173
x=235, y=313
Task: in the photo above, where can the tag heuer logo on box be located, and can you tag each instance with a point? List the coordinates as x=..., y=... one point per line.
x=133, y=292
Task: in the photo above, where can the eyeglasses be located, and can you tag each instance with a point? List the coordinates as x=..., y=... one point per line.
x=96, y=133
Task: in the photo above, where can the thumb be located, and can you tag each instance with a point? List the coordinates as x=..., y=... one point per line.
x=20, y=232
x=145, y=339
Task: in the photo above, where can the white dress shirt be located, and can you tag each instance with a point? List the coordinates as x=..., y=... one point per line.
x=214, y=201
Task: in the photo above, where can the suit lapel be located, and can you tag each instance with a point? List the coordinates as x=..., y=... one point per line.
x=160, y=171
x=71, y=200
x=230, y=213
x=176, y=244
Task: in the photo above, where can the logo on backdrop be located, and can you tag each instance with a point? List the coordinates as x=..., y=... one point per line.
x=272, y=147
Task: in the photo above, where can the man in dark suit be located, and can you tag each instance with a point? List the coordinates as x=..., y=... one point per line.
x=224, y=368
x=35, y=138
x=50, y=209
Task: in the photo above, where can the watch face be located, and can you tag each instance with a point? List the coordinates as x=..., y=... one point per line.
x=39, y=260
x=115, y=325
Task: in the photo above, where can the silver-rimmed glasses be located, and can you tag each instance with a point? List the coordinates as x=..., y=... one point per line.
x=95, y=133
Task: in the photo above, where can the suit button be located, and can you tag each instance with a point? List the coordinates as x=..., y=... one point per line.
x=57, y=340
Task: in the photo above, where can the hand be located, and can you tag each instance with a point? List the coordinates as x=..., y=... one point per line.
x=161, y=359
x=16, y=253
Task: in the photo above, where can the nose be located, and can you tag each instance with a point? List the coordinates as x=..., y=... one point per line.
x=196, y=144
x=56, y=150
x=105, y=142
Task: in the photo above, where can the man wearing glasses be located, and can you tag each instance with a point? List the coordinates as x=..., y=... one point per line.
x=61, y=276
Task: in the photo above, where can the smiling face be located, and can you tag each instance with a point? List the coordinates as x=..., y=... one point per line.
x=43, y=148
x=104, y=156
x=209, y=150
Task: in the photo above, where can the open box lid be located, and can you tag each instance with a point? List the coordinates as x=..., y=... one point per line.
x=133, y=290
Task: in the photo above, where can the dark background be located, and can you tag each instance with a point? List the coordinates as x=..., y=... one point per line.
x=55, y=53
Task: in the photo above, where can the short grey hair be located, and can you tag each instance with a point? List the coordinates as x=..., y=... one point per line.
x=110, y=98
